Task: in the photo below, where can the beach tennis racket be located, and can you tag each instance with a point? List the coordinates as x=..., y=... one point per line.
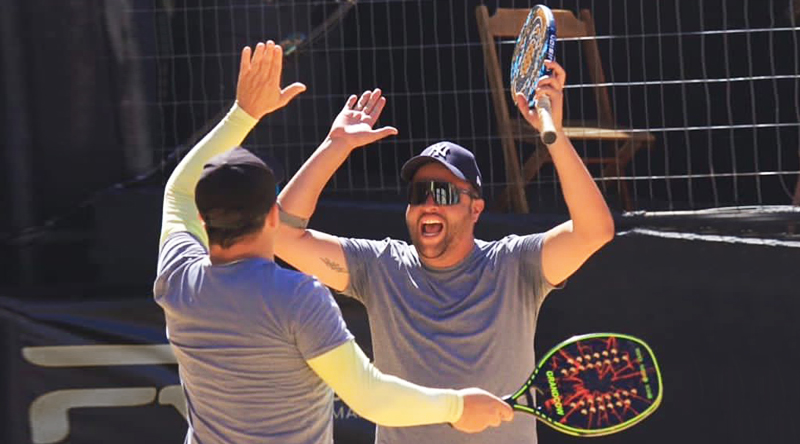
x=535, y=44
x=592, y=385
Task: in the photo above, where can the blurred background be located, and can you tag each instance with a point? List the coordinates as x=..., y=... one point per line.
x=101, y=98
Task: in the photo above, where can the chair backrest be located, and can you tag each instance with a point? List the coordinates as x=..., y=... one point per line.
x=507, y=23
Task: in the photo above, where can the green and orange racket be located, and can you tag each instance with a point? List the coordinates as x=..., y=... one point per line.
x=592, y=385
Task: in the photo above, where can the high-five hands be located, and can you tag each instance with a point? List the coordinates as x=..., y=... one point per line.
x=553, y=87
x=482, y=410
x=258, y=90
x=353, y=126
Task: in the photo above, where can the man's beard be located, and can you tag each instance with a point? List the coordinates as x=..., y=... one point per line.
x=437, y=250
x=431, y=251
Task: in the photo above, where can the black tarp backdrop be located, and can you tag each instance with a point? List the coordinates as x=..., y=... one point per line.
x=720, y=318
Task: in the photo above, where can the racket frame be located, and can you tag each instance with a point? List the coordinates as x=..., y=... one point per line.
x=525, y=390
x=539, y=12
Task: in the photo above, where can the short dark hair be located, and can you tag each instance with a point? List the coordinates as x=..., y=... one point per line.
x=227, y=237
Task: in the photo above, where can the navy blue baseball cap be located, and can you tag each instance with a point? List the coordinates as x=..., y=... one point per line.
x=459, y=160
x=236, y=188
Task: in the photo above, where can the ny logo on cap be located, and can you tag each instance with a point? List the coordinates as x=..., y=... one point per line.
x=440, y=152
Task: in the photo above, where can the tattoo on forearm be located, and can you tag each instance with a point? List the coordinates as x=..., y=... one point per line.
x=333, y=265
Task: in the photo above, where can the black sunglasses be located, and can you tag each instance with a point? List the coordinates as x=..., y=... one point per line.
x=443, y=193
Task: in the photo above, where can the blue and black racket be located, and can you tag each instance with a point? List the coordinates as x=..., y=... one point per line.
x=592, y=385
x=535, y=44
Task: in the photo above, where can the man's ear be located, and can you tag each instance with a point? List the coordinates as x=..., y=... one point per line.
x=273, y=217
x=477, y=208
x=200, y=216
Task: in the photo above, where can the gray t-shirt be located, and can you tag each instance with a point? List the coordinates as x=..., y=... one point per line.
x=242, y=333
x=471, y=325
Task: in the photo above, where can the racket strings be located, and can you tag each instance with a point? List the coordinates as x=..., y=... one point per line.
x=599, y=384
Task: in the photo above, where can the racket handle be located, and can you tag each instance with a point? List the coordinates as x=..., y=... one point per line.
x=548, y=133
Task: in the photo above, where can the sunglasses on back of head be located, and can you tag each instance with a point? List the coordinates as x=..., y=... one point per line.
x=443, y=193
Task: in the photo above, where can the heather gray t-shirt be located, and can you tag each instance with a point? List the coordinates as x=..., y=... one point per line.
x=468, y=326
x=242, y=333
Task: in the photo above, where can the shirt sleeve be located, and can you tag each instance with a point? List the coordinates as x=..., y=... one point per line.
x=360, y=255
x=176, y=250
x=529, y=249
x=317, y=324
x=383, y=399
x=180, y=212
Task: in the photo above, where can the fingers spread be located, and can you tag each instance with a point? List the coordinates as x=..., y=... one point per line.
x=373, y=99
x=378, y=108
x=258, y=55
x=268, y=68
x=362, y=102
x=244, y=65
x=277, y=65
x=386, y=131
x=291, y=91
x=351, y=101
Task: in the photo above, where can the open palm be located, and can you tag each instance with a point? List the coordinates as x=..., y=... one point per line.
x=258, y=90
x=354, y=124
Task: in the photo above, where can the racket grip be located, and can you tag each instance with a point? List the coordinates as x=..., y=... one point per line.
x=548, y=133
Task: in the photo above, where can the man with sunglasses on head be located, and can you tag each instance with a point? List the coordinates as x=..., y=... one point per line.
x=448, y=309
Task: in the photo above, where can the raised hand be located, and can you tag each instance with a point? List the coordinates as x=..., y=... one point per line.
x=258, y=90
x=482, y=410
x=353, y=126
x=551, y=86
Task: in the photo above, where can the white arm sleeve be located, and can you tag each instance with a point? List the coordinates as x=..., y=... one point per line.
x=180, y=212
x=383, y=399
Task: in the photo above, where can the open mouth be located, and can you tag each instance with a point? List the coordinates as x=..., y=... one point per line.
x=431, y=228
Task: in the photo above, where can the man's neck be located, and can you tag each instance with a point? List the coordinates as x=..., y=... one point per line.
x=241, y=251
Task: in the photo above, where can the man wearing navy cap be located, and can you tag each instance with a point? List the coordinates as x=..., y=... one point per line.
x=259, y=347
x=449, y=308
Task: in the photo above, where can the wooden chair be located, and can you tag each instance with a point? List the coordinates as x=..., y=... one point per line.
x=506, y=23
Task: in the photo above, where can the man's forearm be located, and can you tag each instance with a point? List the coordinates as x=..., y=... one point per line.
x=380, y=398
x=180, y=212
x=299, y=197
x=587, y=207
